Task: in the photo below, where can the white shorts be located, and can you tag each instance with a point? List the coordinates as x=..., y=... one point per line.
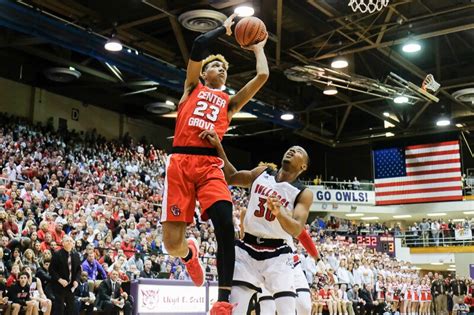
x=301, y=284
x=275, y=274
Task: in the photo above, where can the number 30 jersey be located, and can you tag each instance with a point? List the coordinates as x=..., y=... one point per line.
x=204, y=109
x=259, y=221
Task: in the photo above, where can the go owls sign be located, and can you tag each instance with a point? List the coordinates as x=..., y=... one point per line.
x=352, y=197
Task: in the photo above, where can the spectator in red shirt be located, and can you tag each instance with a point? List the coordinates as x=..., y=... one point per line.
x=13, y=275
x=46, y=244
x=127, y=247
x=10, y=227
x=58, y=233
x=43, y=230
x=109, y=221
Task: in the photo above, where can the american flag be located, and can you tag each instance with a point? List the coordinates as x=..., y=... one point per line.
x=418, y=173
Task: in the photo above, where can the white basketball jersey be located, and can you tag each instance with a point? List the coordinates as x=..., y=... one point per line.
x=258, y=220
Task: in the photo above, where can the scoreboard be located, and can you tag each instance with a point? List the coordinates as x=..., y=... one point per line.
x=381, y=243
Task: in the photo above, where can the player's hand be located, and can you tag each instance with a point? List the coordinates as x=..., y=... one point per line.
x=228, y=24
x=274, y=205
x=257, y=46
x=211, y=136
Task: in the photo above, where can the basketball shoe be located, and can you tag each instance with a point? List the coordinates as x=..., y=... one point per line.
x=194, y=266
x=221, y=308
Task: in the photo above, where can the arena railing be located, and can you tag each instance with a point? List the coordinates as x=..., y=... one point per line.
x=416, y=240
x=341, y=185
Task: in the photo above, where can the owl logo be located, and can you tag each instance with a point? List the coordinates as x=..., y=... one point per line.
x=175, y=210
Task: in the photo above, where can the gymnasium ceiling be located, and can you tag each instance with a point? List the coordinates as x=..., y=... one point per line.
x=301, y=32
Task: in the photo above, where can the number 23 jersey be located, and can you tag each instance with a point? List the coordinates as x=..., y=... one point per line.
x=259, y=221
x=204, y=109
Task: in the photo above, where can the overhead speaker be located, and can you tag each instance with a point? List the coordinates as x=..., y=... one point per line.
x=159, y=108
x=201, y=20
x=63, y=75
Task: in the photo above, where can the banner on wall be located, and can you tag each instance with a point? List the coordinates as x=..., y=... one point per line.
x=343, y=196
x=463, y=234
x=471, y=270
x=154, y=296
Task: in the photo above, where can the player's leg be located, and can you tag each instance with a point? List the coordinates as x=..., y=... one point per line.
x=279, y=280
x=303, y=302
x=243, y=295
x=303, y=299
x=174, y=238
x=220, y=214
x=246, y=281
x=216, y=202
x=177, y=211
x=266, y=302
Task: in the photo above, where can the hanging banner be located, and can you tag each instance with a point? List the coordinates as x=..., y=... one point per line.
x=353, y=197
x=463, y=234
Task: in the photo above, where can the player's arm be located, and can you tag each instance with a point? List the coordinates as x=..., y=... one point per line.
x=251, y=88
x=293, y=225
x=233, y=177
x=199, y=51
x=305, y=239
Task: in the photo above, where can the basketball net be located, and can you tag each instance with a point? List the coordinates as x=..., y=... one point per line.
x=367, y=5
x=429, y=83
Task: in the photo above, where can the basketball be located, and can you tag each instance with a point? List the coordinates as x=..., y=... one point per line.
x=249, y=31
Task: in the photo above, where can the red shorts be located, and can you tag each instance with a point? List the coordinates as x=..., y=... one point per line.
x=191, y=177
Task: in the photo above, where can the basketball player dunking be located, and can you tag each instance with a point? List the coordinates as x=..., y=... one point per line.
x=277, y=211
x=194, y=169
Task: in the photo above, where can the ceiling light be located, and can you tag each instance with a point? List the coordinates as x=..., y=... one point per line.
x=439, y=214
x=443, y=121
x=411, y=46
x=468, y=212
x=113, y=44
x=355, y=215
x=437, y=263
x=330, y=90
x=339, y=63
x=400, y=99
x=244, y=10
x=370, y=218
x=389, y=134
x=451, y=269
x=168, y=102
x=459, y=125
x=287, y=116
x=72, y=68
x=402, y=216
x=386, y=114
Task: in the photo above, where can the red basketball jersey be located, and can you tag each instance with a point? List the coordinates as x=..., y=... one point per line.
x=204, y=109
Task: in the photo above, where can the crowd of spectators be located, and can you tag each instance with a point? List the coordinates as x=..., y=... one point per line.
x=106, y=195
x=353, y=279
x=437, y=232
x=336, y=183
x=337, y=226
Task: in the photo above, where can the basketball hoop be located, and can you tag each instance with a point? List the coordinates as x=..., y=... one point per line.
x=429, y=83
x=367, y=5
